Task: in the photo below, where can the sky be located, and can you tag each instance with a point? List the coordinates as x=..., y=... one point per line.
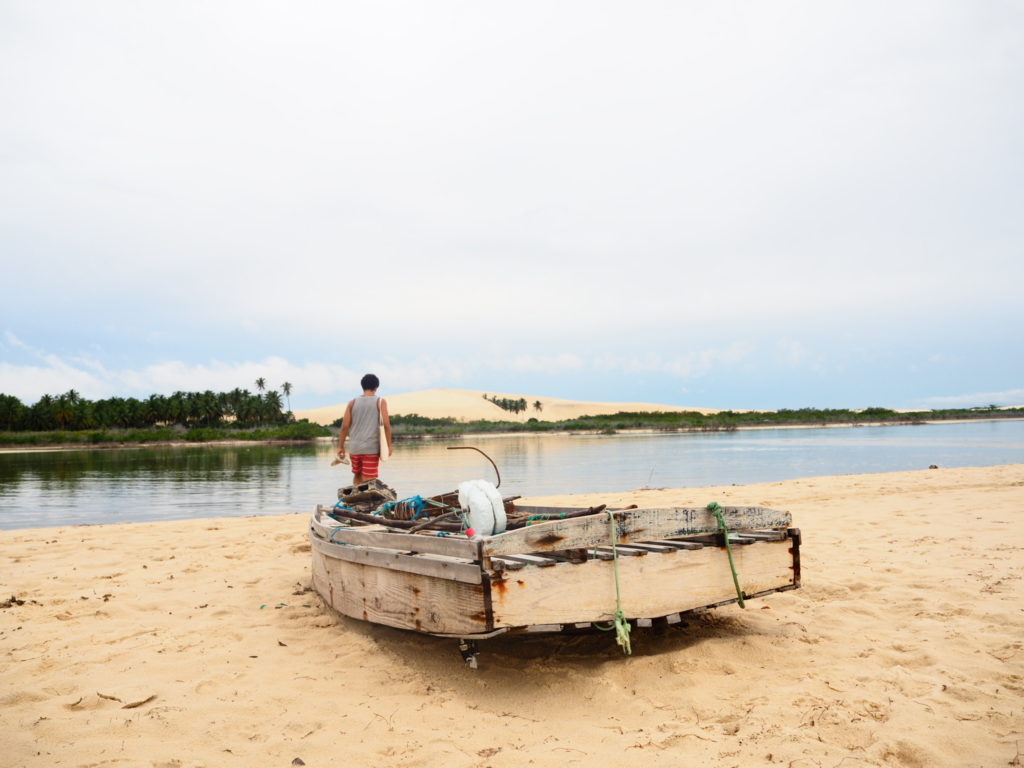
x=724, y=205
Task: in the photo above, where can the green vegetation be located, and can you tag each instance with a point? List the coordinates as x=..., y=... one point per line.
x=508, y=404
x=191, y=416
x=414, y=425
x=241, y=415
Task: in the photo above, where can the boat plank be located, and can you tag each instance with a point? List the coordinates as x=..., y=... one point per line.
x=543, y=562
x=681, y=582
x=676, y=544
x=401, y=599
x=631, y=524
x=653, y=546
x=464, y=571
x=452, y=546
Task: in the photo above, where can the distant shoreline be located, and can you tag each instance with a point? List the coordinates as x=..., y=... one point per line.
x=412, y=438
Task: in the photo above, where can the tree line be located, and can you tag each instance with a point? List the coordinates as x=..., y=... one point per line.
x=512, y=406
x=70, y=411
x=415, y=425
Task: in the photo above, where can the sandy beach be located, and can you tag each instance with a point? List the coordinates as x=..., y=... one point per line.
x=198, y=643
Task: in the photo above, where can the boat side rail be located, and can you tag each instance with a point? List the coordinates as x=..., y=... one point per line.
x=641, y=525
x=648, y=528
x=329, y=529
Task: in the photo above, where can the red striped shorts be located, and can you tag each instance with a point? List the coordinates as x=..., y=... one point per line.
x=365, y=464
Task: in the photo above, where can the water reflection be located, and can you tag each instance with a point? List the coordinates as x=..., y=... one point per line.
x=57, y=488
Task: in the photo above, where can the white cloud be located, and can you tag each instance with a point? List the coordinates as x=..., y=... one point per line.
x=691, y=365
x=95, y=380
x=551, y=181
x=553, y=365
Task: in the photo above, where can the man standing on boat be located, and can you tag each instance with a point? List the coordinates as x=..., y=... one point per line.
x=364, y=416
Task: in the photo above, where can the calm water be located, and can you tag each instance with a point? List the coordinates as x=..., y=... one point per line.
x=74, y=487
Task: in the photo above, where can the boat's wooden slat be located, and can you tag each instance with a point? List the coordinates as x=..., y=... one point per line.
x=677, y=544
x=653, y=546
x=705, y=540
x=622, y=550
x=503, y=564
x=737, y=541
x=519, y=509
x=452, y=546
x=401, y=599
x=462, y=570
x=762, y=535
x=651, y=586
x=631, y=525
x=542, y=562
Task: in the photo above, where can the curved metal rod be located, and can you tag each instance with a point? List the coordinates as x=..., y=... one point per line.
x=471, y=448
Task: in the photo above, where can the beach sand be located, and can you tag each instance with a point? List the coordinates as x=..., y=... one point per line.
x=198, y=643
x=469, y=405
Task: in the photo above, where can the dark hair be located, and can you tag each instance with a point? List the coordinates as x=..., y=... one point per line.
x=369, y=381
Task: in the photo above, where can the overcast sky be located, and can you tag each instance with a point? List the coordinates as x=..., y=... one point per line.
x=729, y=205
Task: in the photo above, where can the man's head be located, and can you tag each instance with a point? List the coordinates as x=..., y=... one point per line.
x=370, y=383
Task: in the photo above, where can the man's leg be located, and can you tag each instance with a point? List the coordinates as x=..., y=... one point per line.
x=357, y=470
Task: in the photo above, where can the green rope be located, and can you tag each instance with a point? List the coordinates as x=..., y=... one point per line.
x=620, y=625
x=544, y=517
x=716, y=510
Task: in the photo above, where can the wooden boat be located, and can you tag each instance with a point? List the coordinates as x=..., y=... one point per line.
x=555, y=569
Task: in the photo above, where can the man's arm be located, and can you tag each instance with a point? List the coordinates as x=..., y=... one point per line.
x=386, y=421
x=346, y=425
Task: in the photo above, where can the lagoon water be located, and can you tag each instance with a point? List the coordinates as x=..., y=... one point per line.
x=39, y=489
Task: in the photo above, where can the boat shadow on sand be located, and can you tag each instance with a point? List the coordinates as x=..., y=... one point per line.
x=581, y=650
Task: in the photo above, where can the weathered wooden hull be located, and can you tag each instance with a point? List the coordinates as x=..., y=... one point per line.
x=553, y=575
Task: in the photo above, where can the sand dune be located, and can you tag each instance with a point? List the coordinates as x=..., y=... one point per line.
x=469, y=405
x=198, y=643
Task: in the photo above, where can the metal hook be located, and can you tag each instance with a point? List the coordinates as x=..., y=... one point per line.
x=471, y=448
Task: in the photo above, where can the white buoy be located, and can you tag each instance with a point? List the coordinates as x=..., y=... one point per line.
x=482, y=503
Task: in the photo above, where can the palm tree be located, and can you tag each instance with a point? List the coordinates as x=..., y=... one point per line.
x=538, y=406
x=63, y=411
x=261, y=383
x=210, y=412
x=272, y=405
x=287, y=389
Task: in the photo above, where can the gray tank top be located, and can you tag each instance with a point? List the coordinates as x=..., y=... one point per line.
x=364, y=434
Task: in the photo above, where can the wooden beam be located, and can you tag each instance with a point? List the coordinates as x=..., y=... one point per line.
x=652, y=546
x=501, y=564
x=631, y=525
x=678, y=544
x=426, y=565
x=542, y=562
